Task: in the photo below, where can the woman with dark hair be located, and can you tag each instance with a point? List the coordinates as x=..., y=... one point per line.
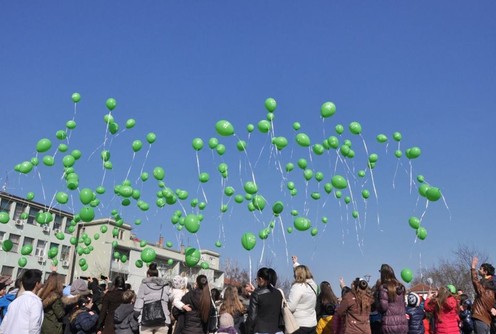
x=391, y=303
x=354, y=309
x=444, y=308
x=152, y=290
x=110, y=303
x=264, y=311
x=51, y=297
x=200, y=302
x=325, y=308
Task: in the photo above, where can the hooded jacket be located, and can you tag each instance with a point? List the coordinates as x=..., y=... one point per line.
x=394, y=320
x=125, y=321
x=150, y=290
x=416, y=317
x=54, y=310
x=447, y=319
x=356, y=321
x=5, y=302
x=484, y=300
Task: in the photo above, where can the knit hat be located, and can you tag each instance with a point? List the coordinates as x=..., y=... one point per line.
x=413, y=299
x=179, y=282
x=79, y=287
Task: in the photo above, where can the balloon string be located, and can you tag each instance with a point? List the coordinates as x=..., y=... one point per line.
x=411, y=176
x=446, y=205
x=250, y=272
x=284, y=237
x=262, y=253
x=130, y=165
x=73, y=118
x=197, y=162
x=42, y=186
x=144, y=161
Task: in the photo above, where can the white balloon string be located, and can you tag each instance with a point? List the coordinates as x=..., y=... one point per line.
x=130, y=165
x=41, y=183
x=251, y=269
x=284, y=237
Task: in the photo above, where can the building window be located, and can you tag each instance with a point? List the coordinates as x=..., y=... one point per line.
x=67, y=225
x=64, y=254
x=2, y=235
x=32, y=216
x=28, y=241
x=4, y=205
x=121, y=234
x=57, y=223
x=7, y=271
x=19, y=208
x=40, y=248
x=16, y=239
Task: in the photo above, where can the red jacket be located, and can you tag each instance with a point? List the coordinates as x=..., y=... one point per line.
x=447, y=319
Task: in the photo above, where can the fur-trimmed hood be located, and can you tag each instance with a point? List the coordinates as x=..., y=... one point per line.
x=155, y=283
x=50, y=299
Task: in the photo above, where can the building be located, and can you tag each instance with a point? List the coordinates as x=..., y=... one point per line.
x=109, y=253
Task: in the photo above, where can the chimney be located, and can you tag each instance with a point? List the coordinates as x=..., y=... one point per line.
x=160, y=241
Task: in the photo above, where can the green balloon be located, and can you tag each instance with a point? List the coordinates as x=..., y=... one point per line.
x=148, y=255
x=365, y=193
x=347, y=199
x=111, y=103
x=277, y=208
x=27, y=249
x=381, y=138
x=105, y=155
x=296, y=126
x=86, y=195
x=76, y=97
x=339, y=182
x=338, y=194
x=25, y=167
x=22, y=262
x=248, y=240
x=113, y=128
x=270, y=104
x=433, y=194
x=413, y=152
x=398, y=154
x=319, y=176
x=108, y=118
x=238, y=199
x=355, y=128
x=63, y=147
x=143, y=243
x=420, y=178
x=280, y=142
x=224, y=128
x=250, y=187
x=327, y=109
x=259, y=202
x=218, y=244
x=263, y=126
x=345, y=150
x=61, y=134
x=7, y=245
x=241, y=145
x=333, y=142
x=158, y=173
x=397, y=136
x=423, y=189
x=192, y=257
x=308, y=174
x=421, y=233
x=192, y=223
x=289, y=167
x=328, y=187
x=302, y=223
x=213, y=142
x=302, y=139
x=229, y=191
x=315, y=195
x=373, y=157
x=48, y=160
x=250, y=127
x=71, y=125
x=144, y=176
x=354, y=214
x=204, y=177
x=318, y=149
x=339, y=129
x=130, y=123
x=324, y=220
x=290, y=229
x=197, y=144
x=43, y=145
x=168, y=244
x=137, y=145
x=87, y=214
x=302, y=163
x=103, y=229
x=151, y=137
x=414, y=222
x=221, y=149
x=314, y=231
x=407, y=275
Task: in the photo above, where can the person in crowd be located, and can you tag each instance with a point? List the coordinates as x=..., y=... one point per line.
x=391, y=303
x=231, y=311
x=465, y=314
x=198, y=299
x=415, y=314
x=8, y=298
x=83, y=320
x=179, y=289
x=54, y=309
x=26, y=311
x=264, y=311
x=302, y=300
x=125, y=320
x=338, y=321
x=97, y=293
x=154, y=289
x=78, y=289
x=245, y=293
x=110, y=303
x=355, y=308
x=484, y=296
x=325, y=308
x=444, y=308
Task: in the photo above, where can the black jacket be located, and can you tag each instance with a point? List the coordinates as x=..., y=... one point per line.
x=192, y=319
x=415, y=317
x=264, y=312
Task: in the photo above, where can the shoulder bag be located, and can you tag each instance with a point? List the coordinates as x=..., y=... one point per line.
x=290, y=325
x=153, y=313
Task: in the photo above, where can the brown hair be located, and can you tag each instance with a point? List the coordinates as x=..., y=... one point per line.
x=152, y=270
x=362, y=293
x=301, y=274
x=326, y=295
x=388, y=279
x=231, y=303
x=205, y=299
x=53, y=284
x=128, y=296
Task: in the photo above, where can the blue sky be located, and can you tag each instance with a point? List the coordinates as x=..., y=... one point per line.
x=421, y=68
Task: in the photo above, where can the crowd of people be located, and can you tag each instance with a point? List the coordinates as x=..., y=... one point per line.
x=88, y=306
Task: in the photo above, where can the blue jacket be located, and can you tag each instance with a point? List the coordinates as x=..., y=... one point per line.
x=466, y=321
x=415, y=317
x=85, y=323
x=4, y=304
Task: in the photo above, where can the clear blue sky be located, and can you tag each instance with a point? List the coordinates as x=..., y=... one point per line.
x=426, y=69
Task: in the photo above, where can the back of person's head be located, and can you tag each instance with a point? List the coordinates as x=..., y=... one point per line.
x=231, y=303
x=327, y=296
x=30, y=278
x=363, y=296
x=387, y=273
x=465, y=301
x=360, y=284
x=205, y=298
x=152, y=270
x=215, y=294
x=345, y=290
x=264, y=274
x=53, y=284
x=301, y=274
x=119, y=283
x=127, y=286
x=128, y=297
x=488, y=268
x=272, y=276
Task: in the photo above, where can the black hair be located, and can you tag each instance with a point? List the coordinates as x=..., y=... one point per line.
x=345, y=290
x=272, y=276
x=215, y=294
x=30, y=278
x=152, y=270
x=119, y=283
x=360, y=283
x=488, y=268
x=127, y=286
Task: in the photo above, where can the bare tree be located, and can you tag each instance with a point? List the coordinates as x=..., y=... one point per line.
x=455, y=270
x=234, y=273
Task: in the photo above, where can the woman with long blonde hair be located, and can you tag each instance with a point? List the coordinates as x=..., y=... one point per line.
x=231, y=310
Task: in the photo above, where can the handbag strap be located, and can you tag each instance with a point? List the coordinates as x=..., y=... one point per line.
x=283, y=298
x=311, y=287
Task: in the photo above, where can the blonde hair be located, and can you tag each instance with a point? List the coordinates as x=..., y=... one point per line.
x=301, y=274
